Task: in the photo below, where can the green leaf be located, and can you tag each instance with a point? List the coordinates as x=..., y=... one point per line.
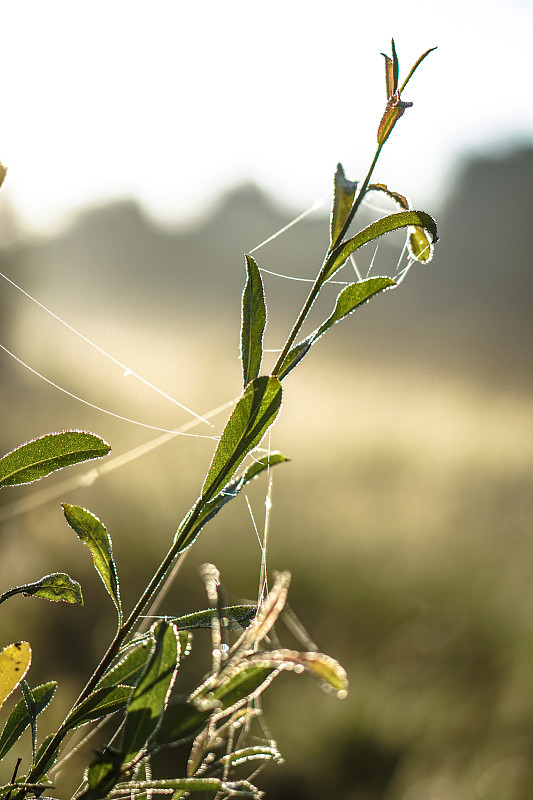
x=237, y=617
x=15, y=660
x=55, y=587
x=252, y=416
x=150, y=697
x=212, y=507
x=93, y=534
x=244, y=683
x=104, y=771
x=44, y=455
x=51, y=758
x=130, y=668
x=349, y=299
x=343, y=197
x=32, y=713
x=392, y=222
x=352, y=297
x=19, y=719
x=100, y=703
x=415, y=67
x=253, y=322
x=420, y=248
x=181, y=722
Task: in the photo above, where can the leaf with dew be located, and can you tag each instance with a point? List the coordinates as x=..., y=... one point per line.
x=253, y=322
x=20, y=718
x=15, y=660
x=392, y=222
x=40, y=457
x=55, y=587
x=95, y=536
x=343, y=197
x=252, y=416
x=100, y=703
x=351, y=297
x=150, y=697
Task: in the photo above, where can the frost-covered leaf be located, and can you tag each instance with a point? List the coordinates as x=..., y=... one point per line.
x=94, y=534
x=150, y=697
x=15, y=660
x=55, y=587
x=343, y=197
x=253, y=322
x=100, y=703
x=44, y=455
x=392, y=222
x=19, y=719
x=252, y=416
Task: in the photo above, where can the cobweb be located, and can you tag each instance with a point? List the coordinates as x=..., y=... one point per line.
x=259, y=519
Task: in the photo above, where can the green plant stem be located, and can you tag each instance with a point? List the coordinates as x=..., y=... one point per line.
x=177, y=546
x=319, y=280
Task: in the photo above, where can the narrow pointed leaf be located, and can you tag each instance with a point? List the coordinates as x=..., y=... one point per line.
x=253, y=322
x=94, y=534
x=3, y=173
x=389, y=76
x=44, y=455
x=19, y=719
x=100, y=703
x=55, y=587
x=181, y=722
x=415, y=67
x=252, y=416
x=32, y=714
x=395, y=66
x=348, y=300
x=231, y=490
x=343, y=197
x=150, y=697
x=351, y=298
x=392, y=222
x=236, y=618
x=129, y=669
x=15, y=660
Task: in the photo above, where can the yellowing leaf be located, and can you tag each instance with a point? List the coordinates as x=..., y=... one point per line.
x=15, y=660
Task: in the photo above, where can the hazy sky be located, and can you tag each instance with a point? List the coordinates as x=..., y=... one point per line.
x=171, y=101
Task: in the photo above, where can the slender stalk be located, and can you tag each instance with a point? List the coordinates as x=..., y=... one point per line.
x=121, y=636
x=318, y=282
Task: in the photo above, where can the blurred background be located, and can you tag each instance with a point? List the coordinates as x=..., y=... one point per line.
x=148, y=147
